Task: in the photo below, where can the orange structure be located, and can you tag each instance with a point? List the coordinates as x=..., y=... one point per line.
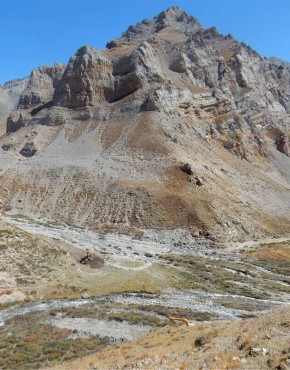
x=173, y=319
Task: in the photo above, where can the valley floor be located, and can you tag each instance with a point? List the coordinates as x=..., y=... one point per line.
x=230, y=293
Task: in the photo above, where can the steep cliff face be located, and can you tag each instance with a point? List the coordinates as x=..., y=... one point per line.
x=111, y=130
x=40, y=87
x=85, y=80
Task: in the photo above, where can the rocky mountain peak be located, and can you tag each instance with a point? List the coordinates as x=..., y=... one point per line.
x=177, y=19
x=173, y=17
x=167, y=92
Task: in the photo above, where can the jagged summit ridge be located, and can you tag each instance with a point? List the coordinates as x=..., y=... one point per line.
x=173, y=17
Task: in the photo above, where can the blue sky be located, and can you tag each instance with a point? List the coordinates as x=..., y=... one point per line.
x=42, y=32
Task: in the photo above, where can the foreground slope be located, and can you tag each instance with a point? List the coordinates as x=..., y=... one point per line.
x=99, y=142
x=249, y=344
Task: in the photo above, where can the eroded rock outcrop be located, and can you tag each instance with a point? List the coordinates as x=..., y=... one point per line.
x=166, y=99
x=86, y=80
x=41, y=85
x=51, y=117
x=134, y=70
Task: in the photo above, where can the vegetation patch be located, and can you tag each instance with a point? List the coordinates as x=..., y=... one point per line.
x=114, y=311
x=212, y=276
x=242, y=305
x=153, y=315
x=135, y=317
x=26, y=343
x=274, y=257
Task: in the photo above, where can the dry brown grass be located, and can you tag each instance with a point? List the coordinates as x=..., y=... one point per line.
x=226, y=362
x=119, y=51
x=112, y=133
x=226, y=53
x=77, y=131
x=148, y=136
x=172, y=35
x=276, y=251
x=173, y=203
x=273, y=133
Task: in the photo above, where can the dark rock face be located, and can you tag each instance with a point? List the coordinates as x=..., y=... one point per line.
x=282, y=144
x=14, y=123
x=29, y=99
x=29, y=150
x=112, y=44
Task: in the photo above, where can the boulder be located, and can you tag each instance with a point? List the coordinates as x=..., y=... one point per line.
x=14, y=122
x=7, y=147
x=186, y=167
x=282, y=144
x=258, y=351
x=29, y=149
